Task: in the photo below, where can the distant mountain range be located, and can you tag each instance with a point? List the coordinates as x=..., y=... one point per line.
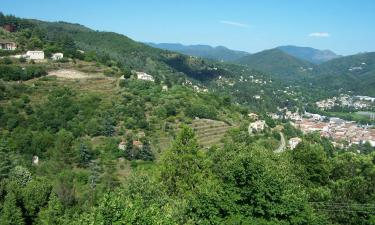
x=309, y=54
x=219, y=53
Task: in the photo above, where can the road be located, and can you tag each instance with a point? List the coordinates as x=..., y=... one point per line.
x=281, y=147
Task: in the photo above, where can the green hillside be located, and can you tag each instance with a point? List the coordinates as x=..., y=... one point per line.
x=355, y=73
x=278, y=64
x=309, y=54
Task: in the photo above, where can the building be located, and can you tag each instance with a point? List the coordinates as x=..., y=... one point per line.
x=138, y=144
x=7, y=45
x=35, y=55
x=57, y=56
x=145, y=76
x=293, y=142
x=253, y=116
x=122, y=145
x=9, y=27
x=257, y=126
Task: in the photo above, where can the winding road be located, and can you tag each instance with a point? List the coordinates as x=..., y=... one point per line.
x=281, y=147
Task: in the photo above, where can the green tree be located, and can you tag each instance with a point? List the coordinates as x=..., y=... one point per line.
x=35, y=196
x=11, y=214
x=181, y=165
x=53, y=213
x=313, y=163
x=21, y=175
x=145, y=153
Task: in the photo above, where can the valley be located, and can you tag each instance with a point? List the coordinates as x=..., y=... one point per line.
x=97, y=128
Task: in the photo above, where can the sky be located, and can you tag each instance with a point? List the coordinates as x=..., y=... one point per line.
x=344, y=26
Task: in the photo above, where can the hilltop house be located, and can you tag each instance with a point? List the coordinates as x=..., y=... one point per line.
x=57, y=56
x=35, y=55
x=257, y=126
x=293, y=142
x=7, y=45
x=145, y=76
x=253, y=116
x=122, y=145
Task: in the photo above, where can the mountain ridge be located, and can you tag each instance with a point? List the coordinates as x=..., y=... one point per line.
x=220, y=53
x=310, y=54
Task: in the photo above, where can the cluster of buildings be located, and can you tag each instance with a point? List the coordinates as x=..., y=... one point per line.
x=284, y=113
x=32, y=55
x=257, y=126
x=356, y=102
x=337, y=129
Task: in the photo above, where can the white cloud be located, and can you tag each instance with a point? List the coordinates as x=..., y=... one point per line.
x=319, y=34
x=232, y=23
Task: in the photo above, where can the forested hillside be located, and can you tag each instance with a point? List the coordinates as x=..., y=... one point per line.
x=309, y=54
x=278, y=64
x=354, y=73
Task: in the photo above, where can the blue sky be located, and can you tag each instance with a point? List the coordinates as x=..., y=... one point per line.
x=344, y=26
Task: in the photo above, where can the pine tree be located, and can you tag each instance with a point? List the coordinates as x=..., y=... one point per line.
x=84, y=154
x=53, y=214
x=146, y=153
x=5, y=163
x=11, y=213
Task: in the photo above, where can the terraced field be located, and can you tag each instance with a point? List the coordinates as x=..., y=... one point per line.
x=210, y=132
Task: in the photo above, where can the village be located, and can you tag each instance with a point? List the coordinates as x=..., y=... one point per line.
x=340, y=131
x=355, y=102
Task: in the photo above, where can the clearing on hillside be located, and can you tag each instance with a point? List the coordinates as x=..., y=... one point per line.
x=70, y=74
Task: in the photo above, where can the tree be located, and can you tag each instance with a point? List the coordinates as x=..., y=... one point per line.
x=314, y=164
x=129, y=148
x=145, y=153
x=35, y=196
x=5, y=163
x=21, y=175
x=63, y=150
x=84, y=154
x=181, y=165
x=53, y=214
x=11, y=214
x=127, y=73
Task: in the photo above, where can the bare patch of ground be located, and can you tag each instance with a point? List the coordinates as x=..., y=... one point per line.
x=70, y=74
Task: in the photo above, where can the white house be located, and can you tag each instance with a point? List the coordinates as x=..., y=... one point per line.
x=122, y=145
x=293, y=142
x=36, y=55
x=57, y=56
x=145, y=76
x=253, y=116
x=257, y=126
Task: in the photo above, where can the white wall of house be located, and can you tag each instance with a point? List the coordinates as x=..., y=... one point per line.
x=36, y=55
x=144, y=76
x=57, y=56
